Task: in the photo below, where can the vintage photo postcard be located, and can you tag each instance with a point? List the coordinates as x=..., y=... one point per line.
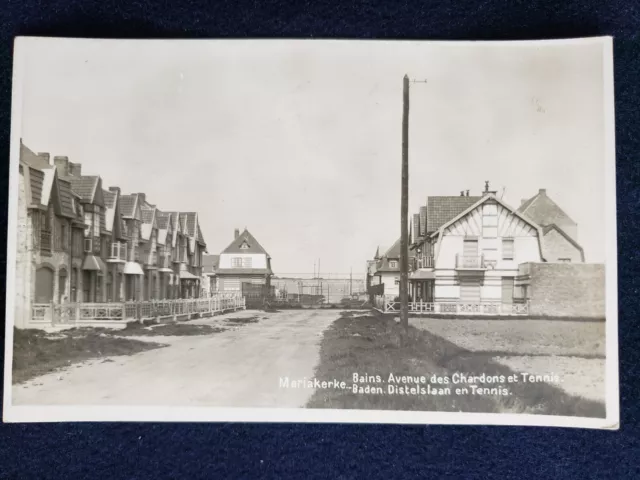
x=312, y=231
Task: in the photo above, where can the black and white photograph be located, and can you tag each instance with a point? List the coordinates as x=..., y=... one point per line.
x=312, y=231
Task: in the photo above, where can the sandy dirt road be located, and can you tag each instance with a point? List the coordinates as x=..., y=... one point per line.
x=239, y=367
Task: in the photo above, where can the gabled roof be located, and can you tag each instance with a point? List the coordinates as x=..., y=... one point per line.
x=32, y=159
x=544, y=211
x=190, y=223
x=547, y=228
x=163, y=219
x=128, y=205
x=164, y=224
x=394, y=250
x=110, y=209
x=87, y=187
x=442, y=209
x=200, y=237
x=391, y=255
x=492, y=197
x=487, y=197
x=247, y=240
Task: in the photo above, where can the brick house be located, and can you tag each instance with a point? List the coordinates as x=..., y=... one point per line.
x=244, y=261
x=78, y=243
x=559, y=230
x=47, y=210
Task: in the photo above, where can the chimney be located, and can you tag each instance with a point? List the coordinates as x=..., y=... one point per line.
x=542, y=191
x=45, y=156
x=75, y=169
x=462, y=193
x=63, y=165
x=486, y=186
x=236, y=233
x=423, y=220
x=115, y=190
x=142, y=197
x=467, y=193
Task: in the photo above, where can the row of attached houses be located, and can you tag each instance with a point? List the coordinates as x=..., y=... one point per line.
x=244, y=266
x=469, y=249
x=79, y=242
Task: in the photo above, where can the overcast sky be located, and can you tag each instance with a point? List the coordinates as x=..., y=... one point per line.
x=300, y=142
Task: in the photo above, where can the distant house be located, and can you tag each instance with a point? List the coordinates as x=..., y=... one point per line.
x=243, y=261
x=560, y=231
x=210, y=265
x=386, y=270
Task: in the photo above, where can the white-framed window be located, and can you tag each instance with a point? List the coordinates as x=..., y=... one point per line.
x=236, y=262
x=393, y=264
x=246, y=262
x=396, y=281
x=244, y=246
x=508, y=249
x=88, y=245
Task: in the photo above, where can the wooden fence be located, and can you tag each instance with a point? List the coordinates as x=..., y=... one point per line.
x=105, y=313
x=388, y=304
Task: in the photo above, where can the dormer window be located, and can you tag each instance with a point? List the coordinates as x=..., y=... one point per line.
x=393, y=264
x=244, y=246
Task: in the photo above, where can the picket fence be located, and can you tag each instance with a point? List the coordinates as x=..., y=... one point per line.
x=101, y=313
x=387, y=304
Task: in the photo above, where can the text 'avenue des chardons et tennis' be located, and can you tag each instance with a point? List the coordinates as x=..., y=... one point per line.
x=429, y=384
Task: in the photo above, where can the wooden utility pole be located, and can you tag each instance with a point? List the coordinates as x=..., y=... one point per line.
x=404, y=210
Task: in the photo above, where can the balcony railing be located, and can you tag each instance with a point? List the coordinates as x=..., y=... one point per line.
x=45, y=240
x=423, y=262
x=470, y=262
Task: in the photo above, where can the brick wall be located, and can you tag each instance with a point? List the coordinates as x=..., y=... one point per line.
x=557, y=247
x=565, y=289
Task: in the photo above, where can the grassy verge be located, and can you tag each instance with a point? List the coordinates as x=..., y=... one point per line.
x=36, y=353
x=370, y=345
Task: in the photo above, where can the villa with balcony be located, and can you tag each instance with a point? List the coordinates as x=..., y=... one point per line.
x=465, y=252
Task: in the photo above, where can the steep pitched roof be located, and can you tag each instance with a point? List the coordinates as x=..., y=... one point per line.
x=36, y=183
x=33, y=159
x=547, y=228
x=442, y=209
x=85, y=186
x=110, y=209
x=200, y=237
x=249, y=242
x=190, y=223
x=128, y=205
x=147, y=214
x=544, y=211
x=163, y=219
x=392, y=254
